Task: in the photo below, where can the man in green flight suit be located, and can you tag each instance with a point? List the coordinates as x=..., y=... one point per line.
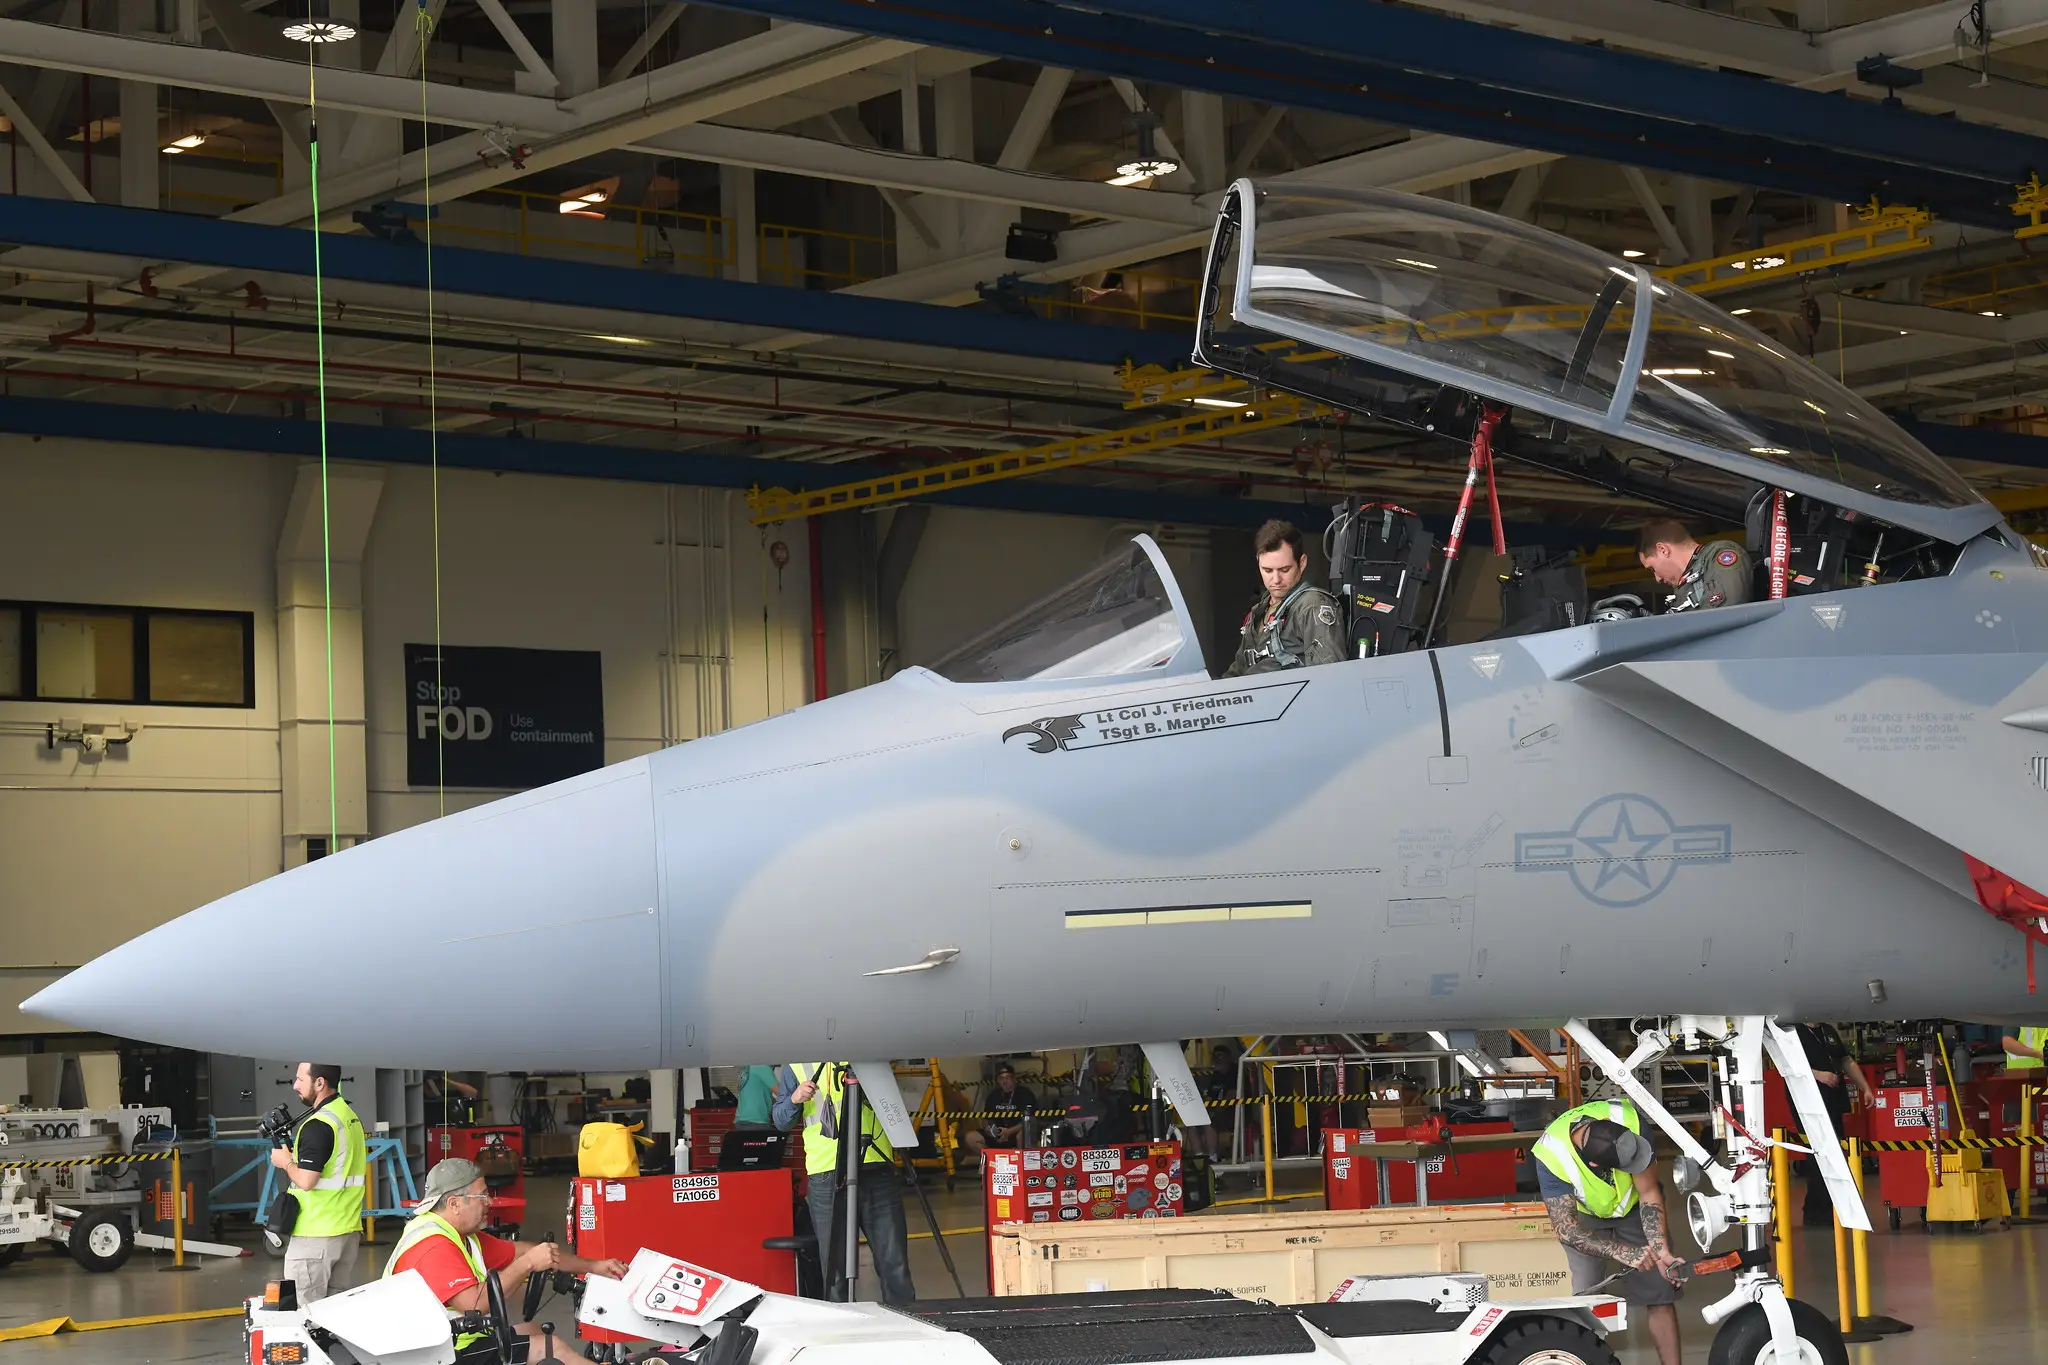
x=1293, y=624
x=1716, y=574
x=1594, y=1170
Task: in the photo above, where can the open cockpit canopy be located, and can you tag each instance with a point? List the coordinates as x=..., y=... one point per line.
x=1332, y=292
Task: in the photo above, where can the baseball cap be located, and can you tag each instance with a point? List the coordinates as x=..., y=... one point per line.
x=1632, y=1153
x=451, y=1176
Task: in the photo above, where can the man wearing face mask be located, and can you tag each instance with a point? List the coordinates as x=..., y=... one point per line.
x=1594, y=1168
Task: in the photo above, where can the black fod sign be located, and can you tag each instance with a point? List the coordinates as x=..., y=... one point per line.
x=501, y=717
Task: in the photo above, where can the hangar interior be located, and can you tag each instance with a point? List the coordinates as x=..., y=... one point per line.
x=518, y=387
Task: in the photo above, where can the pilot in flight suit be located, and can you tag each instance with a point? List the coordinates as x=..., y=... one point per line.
x=1716, y=574
x=1293, y=624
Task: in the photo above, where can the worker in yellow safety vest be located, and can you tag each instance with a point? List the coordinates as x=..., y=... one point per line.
x=325, y=1165
x=1597, y=1175
x=815, y=1092
x=2023, y=1049
x=445, y=1244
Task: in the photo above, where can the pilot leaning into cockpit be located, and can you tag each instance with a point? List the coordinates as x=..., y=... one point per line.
x=1716, y=574
x=1293, y=624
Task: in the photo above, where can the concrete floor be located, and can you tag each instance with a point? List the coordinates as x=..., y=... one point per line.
x=1973, y=1297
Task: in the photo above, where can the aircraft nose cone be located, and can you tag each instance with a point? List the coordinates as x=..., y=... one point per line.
x=520, y=935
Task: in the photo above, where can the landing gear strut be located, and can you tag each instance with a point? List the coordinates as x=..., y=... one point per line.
x=1758, y=1324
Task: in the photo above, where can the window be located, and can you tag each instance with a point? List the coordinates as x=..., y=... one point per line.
x=85, y=655
x=53, y=651
x=198, y=660
x=10, y=651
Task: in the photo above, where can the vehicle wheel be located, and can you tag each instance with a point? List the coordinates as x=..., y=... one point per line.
x=273, y=1245
x=101, y=1240
x=1893, y=1215
x=1548, y=1341
x=1745, y=1338
x=11, y=1253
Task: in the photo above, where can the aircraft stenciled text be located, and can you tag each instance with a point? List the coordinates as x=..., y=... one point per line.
x=1904, y=732
x=1157, y=720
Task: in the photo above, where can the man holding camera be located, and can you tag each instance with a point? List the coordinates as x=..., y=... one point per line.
x=325, y=1163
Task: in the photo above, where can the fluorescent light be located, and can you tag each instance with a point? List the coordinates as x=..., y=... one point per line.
x=1672, y=370
x=618, y=340
x=1126, y=179
x=185, y=144
x=1987, y=313
x=1725, y=355
x=584, y=202
x=1419, y=265
x=1217, y=403
x=1631, y=254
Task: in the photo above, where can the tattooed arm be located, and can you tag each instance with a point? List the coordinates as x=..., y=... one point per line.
x=1574, y=1232
x=1650, y=1200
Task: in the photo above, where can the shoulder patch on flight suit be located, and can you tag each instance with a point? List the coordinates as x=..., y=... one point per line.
x=1716, y=600
x=1726, y=559
x=1327, y=614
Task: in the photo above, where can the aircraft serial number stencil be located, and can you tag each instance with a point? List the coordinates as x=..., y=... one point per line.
x=1232, y=709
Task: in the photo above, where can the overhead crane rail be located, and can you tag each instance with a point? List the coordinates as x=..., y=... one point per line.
x=1206, y=424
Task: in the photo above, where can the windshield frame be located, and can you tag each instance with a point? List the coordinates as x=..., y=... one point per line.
x=1237, y=229
x=1188, y=660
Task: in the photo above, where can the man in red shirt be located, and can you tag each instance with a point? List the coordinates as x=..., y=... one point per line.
x=446, y=1244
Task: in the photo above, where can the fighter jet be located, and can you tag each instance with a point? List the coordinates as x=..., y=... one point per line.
x=1826, y=803
x=1067, y=831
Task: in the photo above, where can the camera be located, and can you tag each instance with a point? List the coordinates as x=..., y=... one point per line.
x=276, y=1126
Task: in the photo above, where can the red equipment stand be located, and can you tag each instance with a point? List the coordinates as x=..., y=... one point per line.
x=1073, y=1184
x=1351, y=1181
x=508, y=1195
x=718, y=1219
x=1907, y=1113
x=1997, y=1114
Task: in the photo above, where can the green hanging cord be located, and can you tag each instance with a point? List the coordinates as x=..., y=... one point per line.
x=423, y=24
x=326, y=526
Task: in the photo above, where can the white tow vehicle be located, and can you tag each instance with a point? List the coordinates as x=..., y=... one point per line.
x=696, y=1315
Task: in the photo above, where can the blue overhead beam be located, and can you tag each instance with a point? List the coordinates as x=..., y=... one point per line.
x=1479, y=81
x=137, y=425
x=153, y=235
x=1990, y=445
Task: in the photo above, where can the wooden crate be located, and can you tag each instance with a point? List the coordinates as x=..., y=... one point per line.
x=1284, y=1257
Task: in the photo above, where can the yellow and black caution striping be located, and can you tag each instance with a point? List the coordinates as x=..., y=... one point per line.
x=1213, y=1104
x=83, y=1161
x=1954, y=1144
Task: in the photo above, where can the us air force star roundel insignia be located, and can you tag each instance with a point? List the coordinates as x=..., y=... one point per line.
x=1623, y=849
x=1327, y=614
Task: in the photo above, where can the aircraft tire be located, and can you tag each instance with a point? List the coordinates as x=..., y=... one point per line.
x=102, y=1240
x=1548, y=1341
x=11, y=1253
x=1745, y=1338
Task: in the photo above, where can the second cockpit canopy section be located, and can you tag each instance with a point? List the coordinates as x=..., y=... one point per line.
x=1122, y=616
x=1334, y=293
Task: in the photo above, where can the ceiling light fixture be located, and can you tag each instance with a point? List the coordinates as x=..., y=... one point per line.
x=584, y=201
x=1148, y=164
x=618, y=340
x=185, y=144
x=1631, y=254
x=1670, y=371
x=1740, y=312
x=312, y=23
x=1217, y=403
x=1988, y=313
